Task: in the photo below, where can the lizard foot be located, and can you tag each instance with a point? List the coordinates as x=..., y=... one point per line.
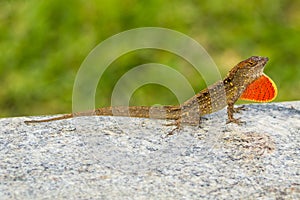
x=176, y=123
x=172, y=131
x=237, y=121
x=239, y=109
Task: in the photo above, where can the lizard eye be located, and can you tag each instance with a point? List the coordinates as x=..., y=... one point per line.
x=251, y=62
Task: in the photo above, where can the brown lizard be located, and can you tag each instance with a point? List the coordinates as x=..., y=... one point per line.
x=246, y=81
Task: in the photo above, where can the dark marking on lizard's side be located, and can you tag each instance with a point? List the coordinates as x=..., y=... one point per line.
x=215, y=97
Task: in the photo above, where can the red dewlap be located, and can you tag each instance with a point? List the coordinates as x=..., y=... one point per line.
x=263, y=90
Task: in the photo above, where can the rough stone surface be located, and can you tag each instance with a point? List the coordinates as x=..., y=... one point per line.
x=129, y=158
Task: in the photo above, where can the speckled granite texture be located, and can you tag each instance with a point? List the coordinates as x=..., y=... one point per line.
x=129, y=158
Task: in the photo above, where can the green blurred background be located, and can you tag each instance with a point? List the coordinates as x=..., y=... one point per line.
x=43, y=43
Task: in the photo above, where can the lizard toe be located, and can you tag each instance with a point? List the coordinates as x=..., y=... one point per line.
x=239, y=109
x=237, y=121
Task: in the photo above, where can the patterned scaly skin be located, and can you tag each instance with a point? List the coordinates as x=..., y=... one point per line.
x=215, y=97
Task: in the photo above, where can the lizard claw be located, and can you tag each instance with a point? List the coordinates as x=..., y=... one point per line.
x=172, y=131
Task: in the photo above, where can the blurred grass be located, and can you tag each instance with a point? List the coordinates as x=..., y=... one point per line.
x=43, y=44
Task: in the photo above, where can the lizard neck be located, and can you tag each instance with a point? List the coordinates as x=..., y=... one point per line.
x=236, y=82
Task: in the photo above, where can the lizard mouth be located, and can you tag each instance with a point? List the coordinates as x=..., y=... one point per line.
x=261, y=61
x=264, y=60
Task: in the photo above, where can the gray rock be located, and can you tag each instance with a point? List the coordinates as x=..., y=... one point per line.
x=130, y=158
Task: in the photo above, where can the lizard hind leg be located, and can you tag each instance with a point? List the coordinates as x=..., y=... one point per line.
x=176, y=123
x=200, y=119
x=230, y=111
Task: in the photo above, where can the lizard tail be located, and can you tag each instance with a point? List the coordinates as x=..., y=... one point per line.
x=66, y=116
x=164, y=112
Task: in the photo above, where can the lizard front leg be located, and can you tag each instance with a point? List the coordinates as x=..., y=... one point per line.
x=230, y=111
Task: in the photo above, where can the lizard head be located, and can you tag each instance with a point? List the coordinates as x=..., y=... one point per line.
x=253, y=67
x=247, y=81
x=254, y=63
x=248, y=70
